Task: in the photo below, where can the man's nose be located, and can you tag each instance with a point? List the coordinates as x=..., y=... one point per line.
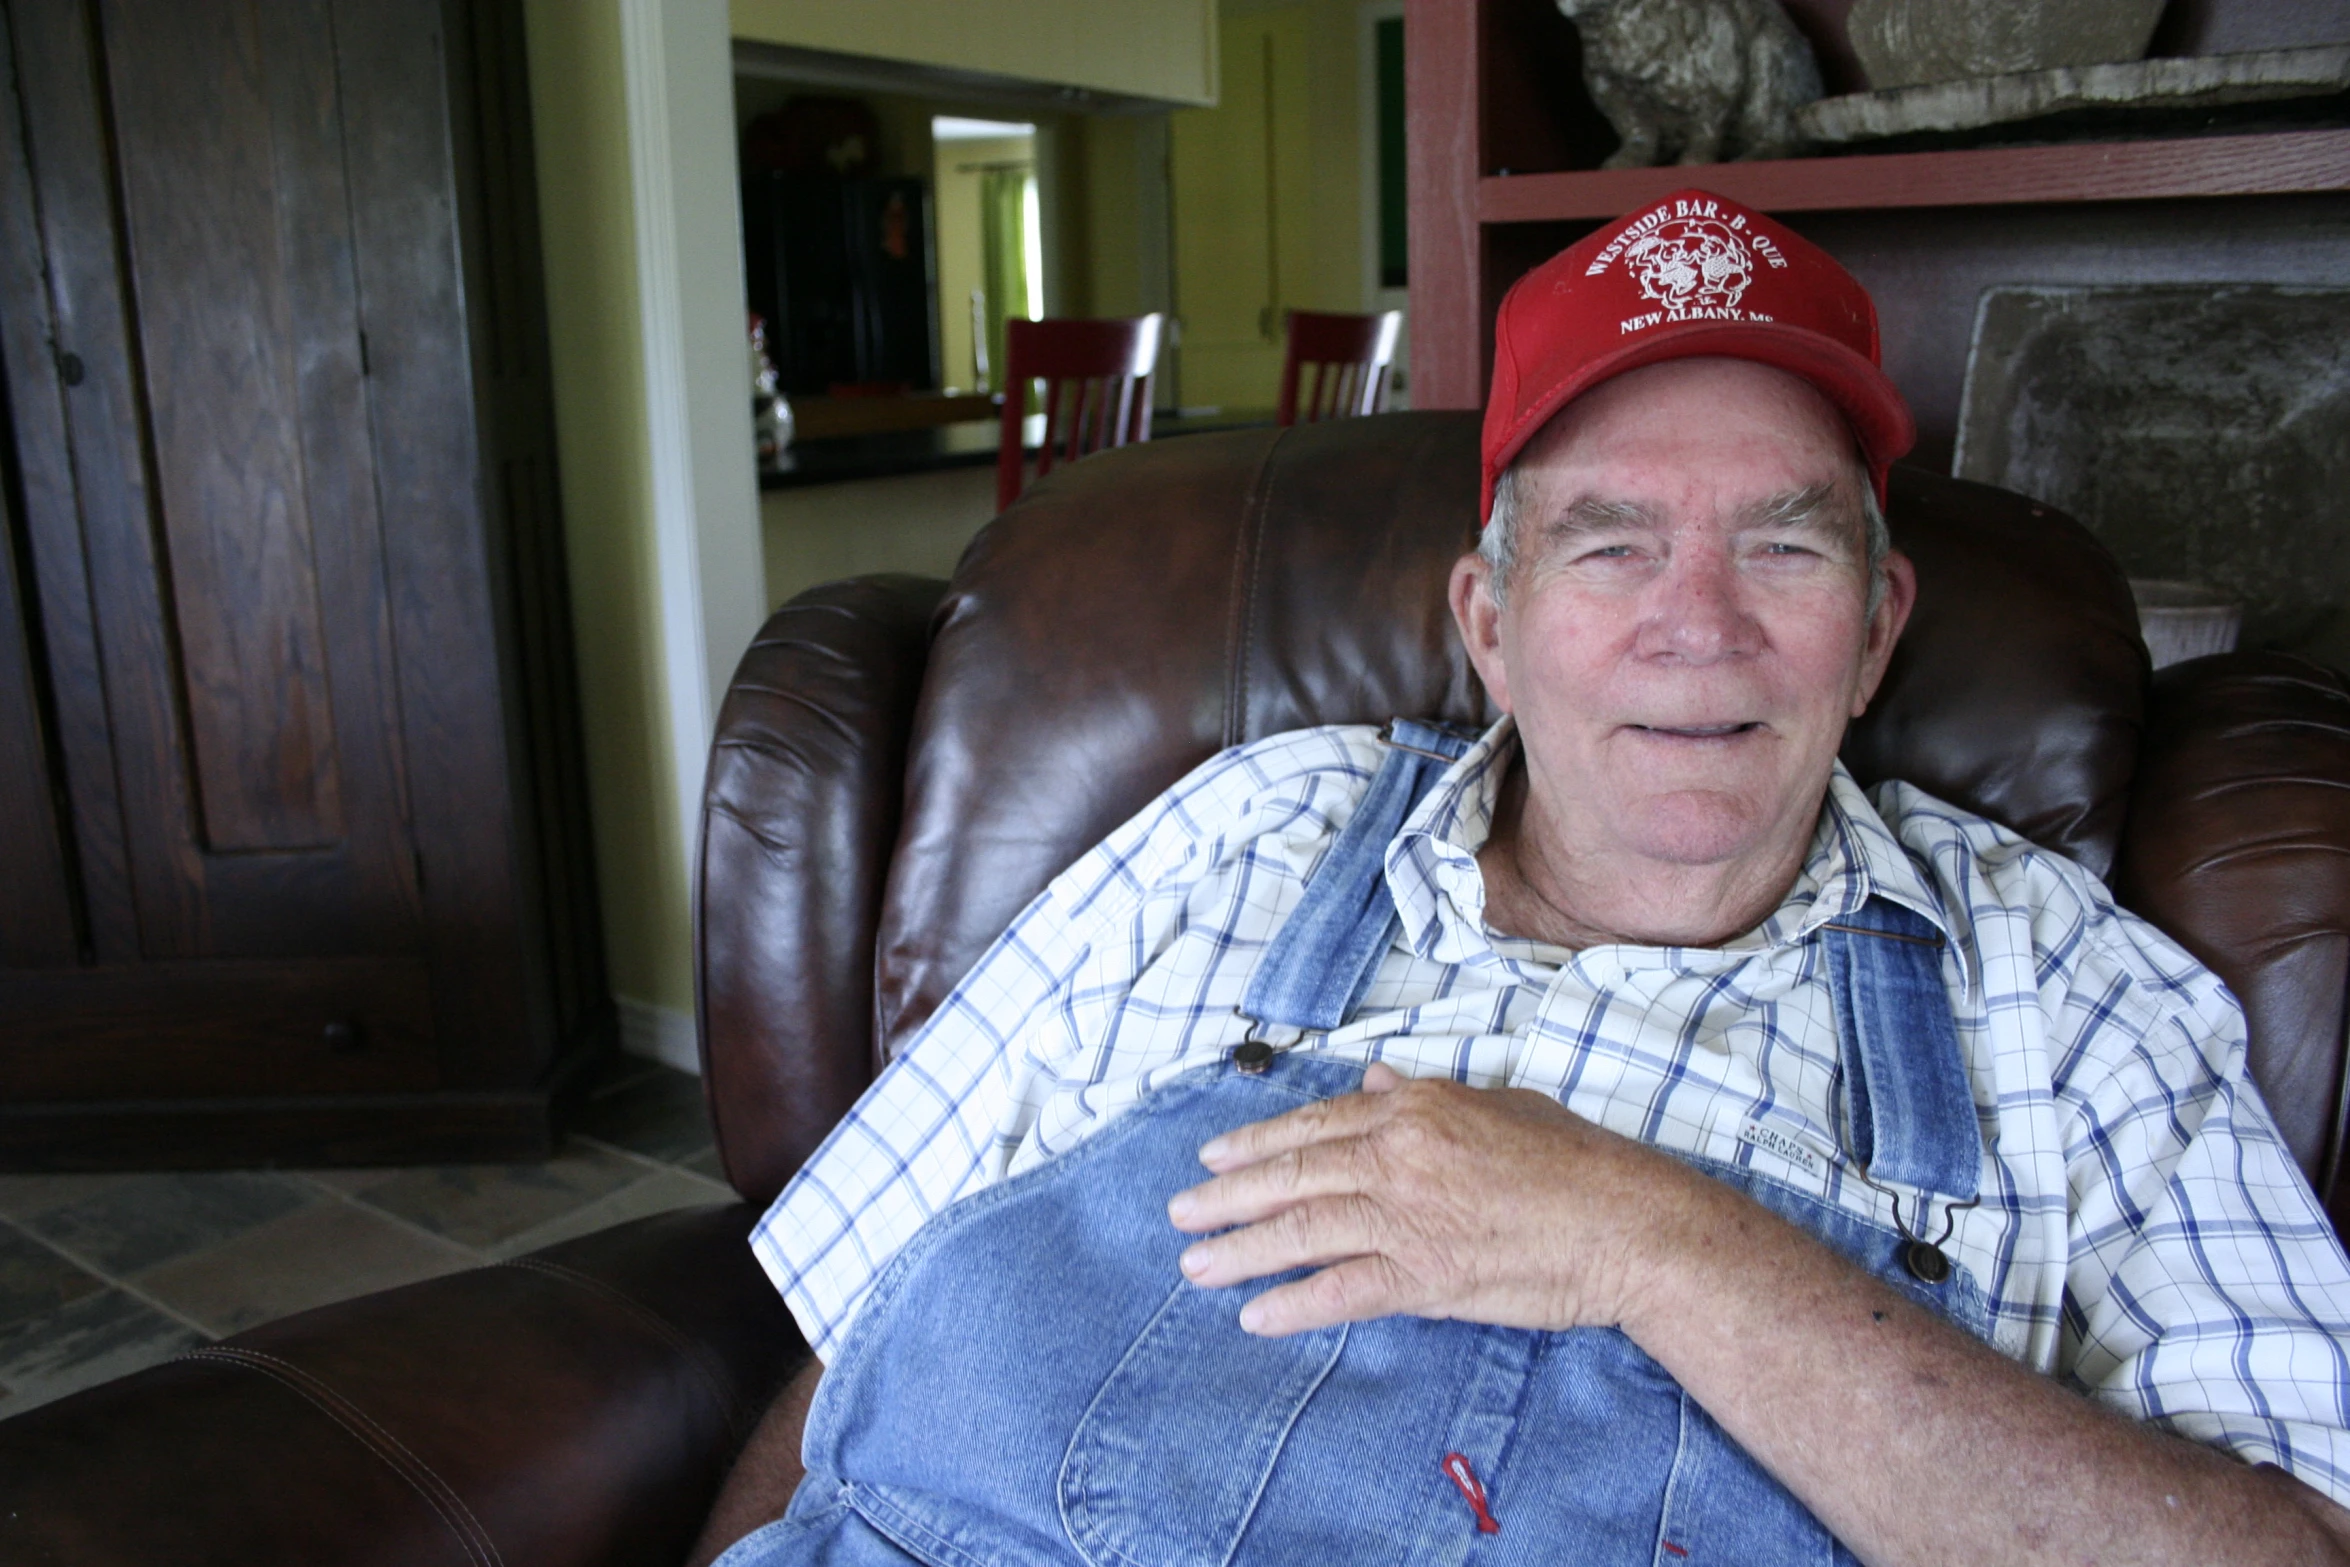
x=1697, y=609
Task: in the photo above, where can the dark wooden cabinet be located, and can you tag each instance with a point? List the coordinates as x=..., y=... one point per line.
x=293, y=856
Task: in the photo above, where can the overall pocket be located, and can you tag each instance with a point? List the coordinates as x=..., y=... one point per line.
x=1167, y=1463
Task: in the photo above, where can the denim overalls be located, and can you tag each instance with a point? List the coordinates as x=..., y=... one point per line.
x=1032, y=1380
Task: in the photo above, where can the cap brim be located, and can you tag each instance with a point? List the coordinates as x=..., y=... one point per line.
x=1863, y=393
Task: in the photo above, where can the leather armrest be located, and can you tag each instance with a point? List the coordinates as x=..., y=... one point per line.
x=2238, y=845
x=799, y=814
x=575, y=1406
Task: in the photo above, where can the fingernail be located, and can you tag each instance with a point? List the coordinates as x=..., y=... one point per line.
x=1252, y=1317
x=1211, y=1150
x=1180, y=1205
x=1195, y=1261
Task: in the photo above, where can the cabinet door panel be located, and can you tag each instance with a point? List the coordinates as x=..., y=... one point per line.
x=211, y=269
x=202, y=276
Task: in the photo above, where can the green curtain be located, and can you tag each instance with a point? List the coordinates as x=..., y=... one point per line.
x=1003, y=237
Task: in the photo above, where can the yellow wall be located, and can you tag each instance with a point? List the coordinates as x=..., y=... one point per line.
x=578, y=103
x=1103, y=264
x=1149, y=48
x=1234, y=268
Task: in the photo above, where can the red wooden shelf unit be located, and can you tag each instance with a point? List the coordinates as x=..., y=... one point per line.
x=1503, y=147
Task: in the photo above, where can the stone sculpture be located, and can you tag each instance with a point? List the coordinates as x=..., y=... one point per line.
x=1695, y=81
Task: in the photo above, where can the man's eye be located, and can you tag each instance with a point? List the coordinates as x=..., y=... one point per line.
x=1610, y=552
x=1785, y=549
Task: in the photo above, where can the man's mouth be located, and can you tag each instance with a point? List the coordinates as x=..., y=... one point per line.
x=1695, y=731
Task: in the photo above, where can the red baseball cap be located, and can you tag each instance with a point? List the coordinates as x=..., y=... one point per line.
x=1692, y=274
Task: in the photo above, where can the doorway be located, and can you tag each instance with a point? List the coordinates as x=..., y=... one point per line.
x=990, y=242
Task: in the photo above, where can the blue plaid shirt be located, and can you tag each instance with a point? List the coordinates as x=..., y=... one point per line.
x=2144, y=1232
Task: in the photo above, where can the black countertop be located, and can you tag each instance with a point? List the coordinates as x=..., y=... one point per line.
x=968, y=445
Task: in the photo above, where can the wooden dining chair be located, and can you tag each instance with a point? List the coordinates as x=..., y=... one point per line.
x=1352, y=357
x=1097, y=391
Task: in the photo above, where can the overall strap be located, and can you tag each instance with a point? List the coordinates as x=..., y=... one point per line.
x=1321, y=961
x=1913, y=1116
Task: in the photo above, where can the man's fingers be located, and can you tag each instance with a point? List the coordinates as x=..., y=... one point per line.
x=1309, y=1234
x=1263, y=1188
x=1355, y=1290
x=1307, y=1124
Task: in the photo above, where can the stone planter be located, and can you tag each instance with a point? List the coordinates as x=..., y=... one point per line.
x=1902, y=43
x=2183, y=620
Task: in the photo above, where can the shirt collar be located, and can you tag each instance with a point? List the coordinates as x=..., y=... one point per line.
x=1439, y=892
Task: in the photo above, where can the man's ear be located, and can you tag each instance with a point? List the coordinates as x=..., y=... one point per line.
x=1473, y=610
x=1892, y=613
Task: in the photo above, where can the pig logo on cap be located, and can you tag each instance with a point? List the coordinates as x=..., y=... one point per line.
x=1692, y=264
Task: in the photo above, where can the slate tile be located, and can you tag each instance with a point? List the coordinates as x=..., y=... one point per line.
x=142, y=1220
x=483, y=1204
x=356, y=1178
x=35, y=1281
x=314, y=1257
x=657, y=1111
x=22, y=1196
x=656, y=1193
x=94, y=1339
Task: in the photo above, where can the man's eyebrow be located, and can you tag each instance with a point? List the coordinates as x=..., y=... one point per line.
x=1591, y=514
x=1814, y=508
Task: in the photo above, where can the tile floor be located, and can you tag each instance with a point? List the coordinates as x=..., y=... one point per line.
x=103, y=1274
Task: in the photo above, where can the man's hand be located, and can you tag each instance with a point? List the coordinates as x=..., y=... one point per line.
x=1912, y=1442
x=1434, y=1200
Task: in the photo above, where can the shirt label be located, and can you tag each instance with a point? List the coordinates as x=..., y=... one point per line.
x=1789, y=1148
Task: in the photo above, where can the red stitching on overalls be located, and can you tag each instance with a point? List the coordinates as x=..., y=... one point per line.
x=1457, y=1470
x=1677, y=1550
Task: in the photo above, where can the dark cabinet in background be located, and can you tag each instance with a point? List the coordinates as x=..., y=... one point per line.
x=844, y=271
x=293, y=857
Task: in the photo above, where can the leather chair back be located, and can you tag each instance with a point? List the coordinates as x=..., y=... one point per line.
x=1150, y=606
x=1116, y=629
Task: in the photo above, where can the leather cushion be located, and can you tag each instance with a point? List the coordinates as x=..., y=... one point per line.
x=2237, y=847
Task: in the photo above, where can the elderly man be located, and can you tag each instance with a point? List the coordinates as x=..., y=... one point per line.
x=1617, y=1139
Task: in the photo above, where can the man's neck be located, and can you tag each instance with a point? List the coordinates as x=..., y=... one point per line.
x=1538, y=889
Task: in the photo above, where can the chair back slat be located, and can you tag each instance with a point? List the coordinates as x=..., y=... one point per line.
x=1097, y=391
x=1352, y=358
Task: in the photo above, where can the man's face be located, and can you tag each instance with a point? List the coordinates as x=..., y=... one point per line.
x=1687, y=629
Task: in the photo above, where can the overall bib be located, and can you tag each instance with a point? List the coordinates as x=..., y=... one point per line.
x=1032, y=1380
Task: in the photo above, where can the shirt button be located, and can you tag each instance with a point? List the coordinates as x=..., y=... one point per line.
x=1253, y=1057
x=1925, y=1263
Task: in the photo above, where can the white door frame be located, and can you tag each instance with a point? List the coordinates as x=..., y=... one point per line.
x=678, y=63
x=1367, y=19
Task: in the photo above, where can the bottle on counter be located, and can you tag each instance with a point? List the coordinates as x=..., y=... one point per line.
x=771, y=420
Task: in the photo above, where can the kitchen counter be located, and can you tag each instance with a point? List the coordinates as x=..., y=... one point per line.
x=971, y=444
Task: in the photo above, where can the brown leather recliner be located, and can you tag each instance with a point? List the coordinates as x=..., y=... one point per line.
x=902, y=764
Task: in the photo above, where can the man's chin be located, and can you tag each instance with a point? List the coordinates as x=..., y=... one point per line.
x=1696, y=828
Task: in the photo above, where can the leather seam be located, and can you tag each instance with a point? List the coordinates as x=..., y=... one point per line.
x=713, y=1378
x=436, y=1492
x=1247, y=572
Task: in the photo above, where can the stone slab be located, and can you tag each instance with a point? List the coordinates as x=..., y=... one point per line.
x=2201, y=430
x=2139, y=86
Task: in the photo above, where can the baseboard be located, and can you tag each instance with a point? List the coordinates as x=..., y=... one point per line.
x=661, y=1034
